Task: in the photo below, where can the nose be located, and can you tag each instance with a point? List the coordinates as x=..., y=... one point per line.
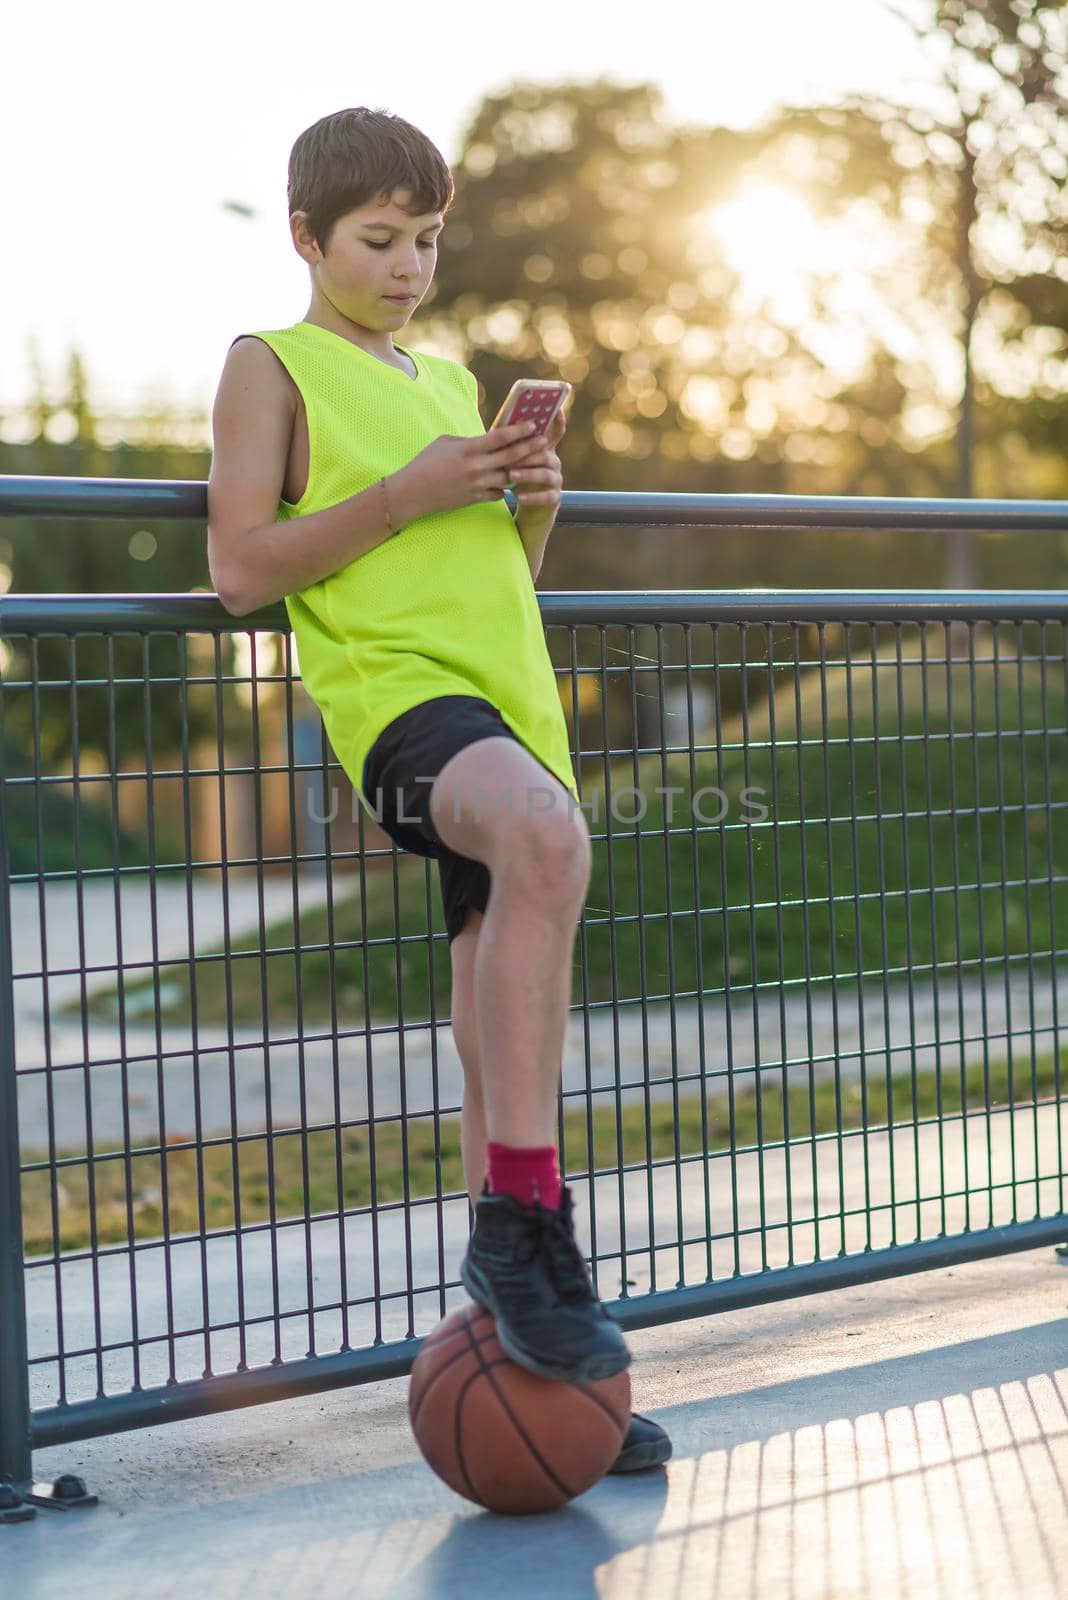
x=410, y=274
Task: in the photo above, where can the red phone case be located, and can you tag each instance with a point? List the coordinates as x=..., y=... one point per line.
x=533, y=400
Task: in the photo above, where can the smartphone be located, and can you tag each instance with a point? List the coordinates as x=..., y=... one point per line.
x=532, y=400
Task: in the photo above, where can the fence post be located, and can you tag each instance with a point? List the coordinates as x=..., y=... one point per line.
x=15, y=1453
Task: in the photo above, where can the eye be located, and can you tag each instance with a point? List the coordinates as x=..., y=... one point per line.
x=424, y=244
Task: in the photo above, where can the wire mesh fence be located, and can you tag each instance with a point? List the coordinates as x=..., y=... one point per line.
x=817, y=983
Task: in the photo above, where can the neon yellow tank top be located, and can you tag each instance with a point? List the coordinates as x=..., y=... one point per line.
x=446, y=606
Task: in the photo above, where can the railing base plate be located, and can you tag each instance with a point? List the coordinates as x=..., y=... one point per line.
x=62, y=1494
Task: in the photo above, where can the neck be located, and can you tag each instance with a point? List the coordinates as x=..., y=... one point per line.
x=376, y=341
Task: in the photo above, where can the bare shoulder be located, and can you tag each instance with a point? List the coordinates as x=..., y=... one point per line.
x=251, y=366
x=252, y=425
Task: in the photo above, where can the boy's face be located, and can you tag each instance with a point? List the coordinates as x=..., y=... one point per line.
x=376, y=252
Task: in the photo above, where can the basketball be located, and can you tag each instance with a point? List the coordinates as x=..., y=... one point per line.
x=502, y=1436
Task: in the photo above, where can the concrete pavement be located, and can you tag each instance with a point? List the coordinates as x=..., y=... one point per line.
x=902, y=1440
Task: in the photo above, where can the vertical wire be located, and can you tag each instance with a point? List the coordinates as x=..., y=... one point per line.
x=773, y=753
x=980, y=889
x=1025, y=829
x=613, y=962
x=951, y=748
x=161, y=1092
x=562, y=1143
x=16, y=1455
x=880, y=870
x=53, y=1175
x=435, y=1093
x=228, y=979
x=302, y=1087
x=858, y=918
x=932, y=920
x=268, y=1098
x=907, y=816
x=670, y=930
x=335, y=1050
x=758, y=1080
x=369, y=1076
x=724, y=887
x=187, y=809
x=643, y=978
x=1006, y=959
x=402, y=1088
x=76, y=782
x=120, y=970
x=806, y=937
x=1046, y=784
x=833, y=938
x=702, y=1062
x=583, y=938
x=1054, y=944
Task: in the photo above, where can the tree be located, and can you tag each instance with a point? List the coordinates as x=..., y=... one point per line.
x=996, y=123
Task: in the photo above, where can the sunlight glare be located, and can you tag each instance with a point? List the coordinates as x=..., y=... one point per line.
x=776, y=246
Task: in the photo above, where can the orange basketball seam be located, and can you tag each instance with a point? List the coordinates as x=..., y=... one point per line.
x=518, y=1426
x=445, y=1367
x=582, y=1389
x=432, y=1342
x=457, y=1437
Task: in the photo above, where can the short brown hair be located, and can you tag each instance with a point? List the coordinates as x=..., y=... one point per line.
x=357, y=155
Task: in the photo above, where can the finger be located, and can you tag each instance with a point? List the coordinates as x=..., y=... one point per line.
x=498, y=482
x=543, y=456
x=535, y=447
x=501, y=438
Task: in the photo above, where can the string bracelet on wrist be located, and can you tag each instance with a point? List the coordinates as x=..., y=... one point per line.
x=389, y=517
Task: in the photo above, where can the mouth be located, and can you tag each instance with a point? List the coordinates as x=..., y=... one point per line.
x=399, y=299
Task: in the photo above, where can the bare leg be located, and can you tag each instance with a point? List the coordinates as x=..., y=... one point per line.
x=465, y=1036
x=539, y=861
x=521, y=965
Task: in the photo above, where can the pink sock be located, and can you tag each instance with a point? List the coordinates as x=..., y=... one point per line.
x=529, y=1174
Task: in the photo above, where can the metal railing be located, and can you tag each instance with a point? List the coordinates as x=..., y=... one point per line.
x=816, y=1032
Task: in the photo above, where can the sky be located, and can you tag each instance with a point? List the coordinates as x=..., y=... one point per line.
x=131, y=133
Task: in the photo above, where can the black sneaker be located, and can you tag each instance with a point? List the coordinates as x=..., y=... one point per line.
x=645, y=1445
x=524, y=1266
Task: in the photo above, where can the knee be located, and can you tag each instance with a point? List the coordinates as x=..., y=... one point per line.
x=550, y=855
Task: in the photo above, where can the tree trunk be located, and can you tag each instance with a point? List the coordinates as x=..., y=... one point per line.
x=961, y=563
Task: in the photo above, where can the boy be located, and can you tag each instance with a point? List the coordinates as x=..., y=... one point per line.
x=410, y=593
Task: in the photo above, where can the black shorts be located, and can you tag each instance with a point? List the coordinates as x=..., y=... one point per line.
x=403, y=763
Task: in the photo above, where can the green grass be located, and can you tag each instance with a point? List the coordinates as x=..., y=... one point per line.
x=966, y=826
x=259, y=1176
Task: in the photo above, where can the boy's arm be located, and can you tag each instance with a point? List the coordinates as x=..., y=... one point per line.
x=539, y=501
x=255, y=560
x=534, y=524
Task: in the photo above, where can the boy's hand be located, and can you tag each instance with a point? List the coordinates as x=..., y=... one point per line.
x=539, y=477
x=454, y=471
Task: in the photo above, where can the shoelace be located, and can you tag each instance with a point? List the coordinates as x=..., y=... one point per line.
x=562, y=1253
x=550, y=1235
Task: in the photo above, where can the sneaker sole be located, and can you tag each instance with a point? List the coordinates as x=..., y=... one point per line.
x=642, y=1456
x=588, y=1370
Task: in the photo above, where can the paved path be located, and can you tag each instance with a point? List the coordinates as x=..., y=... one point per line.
x=624, y=1049
x=902, y=1441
